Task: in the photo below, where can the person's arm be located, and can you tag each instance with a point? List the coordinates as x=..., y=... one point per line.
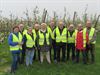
x=37, y=40
x=50, y=40
x=54, y=33
x=10, y=40
x=67, y=36
x=24, y=39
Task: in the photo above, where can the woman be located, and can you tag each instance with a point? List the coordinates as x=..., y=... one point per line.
x=44, y=43
x=15, y=43
x=29, y=40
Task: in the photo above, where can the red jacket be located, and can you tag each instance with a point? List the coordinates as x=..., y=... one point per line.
x=79, y=40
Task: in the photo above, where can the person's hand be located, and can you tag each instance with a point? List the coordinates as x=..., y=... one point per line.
x=84, y=48
x=88, y=43
x=38, y=48
x=20, y=43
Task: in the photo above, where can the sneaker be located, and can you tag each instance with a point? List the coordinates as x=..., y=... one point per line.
x=55, y=61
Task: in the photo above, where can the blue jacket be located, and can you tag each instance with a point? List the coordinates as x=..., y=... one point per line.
x=11, y=43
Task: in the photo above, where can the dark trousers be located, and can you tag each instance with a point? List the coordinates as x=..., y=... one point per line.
x=91, y=48
x=38, y=54
x=61, y=46
x=71, y=47
x=23, y=53
x=50, y=53
x=83, y=55
x=35, y=54
x=55, y=51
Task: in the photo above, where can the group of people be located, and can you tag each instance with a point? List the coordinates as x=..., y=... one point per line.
x=44, y=40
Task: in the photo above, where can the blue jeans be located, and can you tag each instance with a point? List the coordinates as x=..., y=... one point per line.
x=29, y=57
x=15, y=57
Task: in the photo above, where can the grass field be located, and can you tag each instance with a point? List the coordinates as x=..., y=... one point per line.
x=67, y=68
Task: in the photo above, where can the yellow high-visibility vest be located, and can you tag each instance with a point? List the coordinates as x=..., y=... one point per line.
x=25, y=32
x=50, y=31
x=30, y=41
x=61, y=37
x=16, y=39
x=71, y=39
x=41, y=38
x=84, y=37
x=91, y=33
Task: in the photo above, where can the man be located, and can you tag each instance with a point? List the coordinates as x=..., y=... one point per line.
x=35, y=30
x=51, y=28
x=15, y=43
x=81, y=38
x=92, y=40
x=71, y=42
x=23, y=32
x=61, y=40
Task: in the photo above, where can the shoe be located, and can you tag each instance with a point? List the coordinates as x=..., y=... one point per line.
x=85, y=63
x=49, y=62
x=12, y=71
x=55, y=61
x=92, y=62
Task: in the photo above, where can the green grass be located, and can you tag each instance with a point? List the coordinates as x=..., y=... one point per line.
x=67, y=68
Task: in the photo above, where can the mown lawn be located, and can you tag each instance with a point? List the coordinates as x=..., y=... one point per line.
x=67, y=68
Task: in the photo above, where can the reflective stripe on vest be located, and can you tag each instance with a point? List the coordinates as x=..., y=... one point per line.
x=41, y=38
x=16, y=39
x=30, y=42
x=84, y=37
x=62, y=37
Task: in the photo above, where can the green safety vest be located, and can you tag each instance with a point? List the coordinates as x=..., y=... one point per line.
x=71, y=39
x=50, y=31
x=41, y=38
x=91, y=33
x=61, y=37
x=24, y=32
x=30, y=41
x=16, y=39
x=84, y=37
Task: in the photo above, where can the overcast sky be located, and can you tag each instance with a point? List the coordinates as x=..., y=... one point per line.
x=17, y=7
